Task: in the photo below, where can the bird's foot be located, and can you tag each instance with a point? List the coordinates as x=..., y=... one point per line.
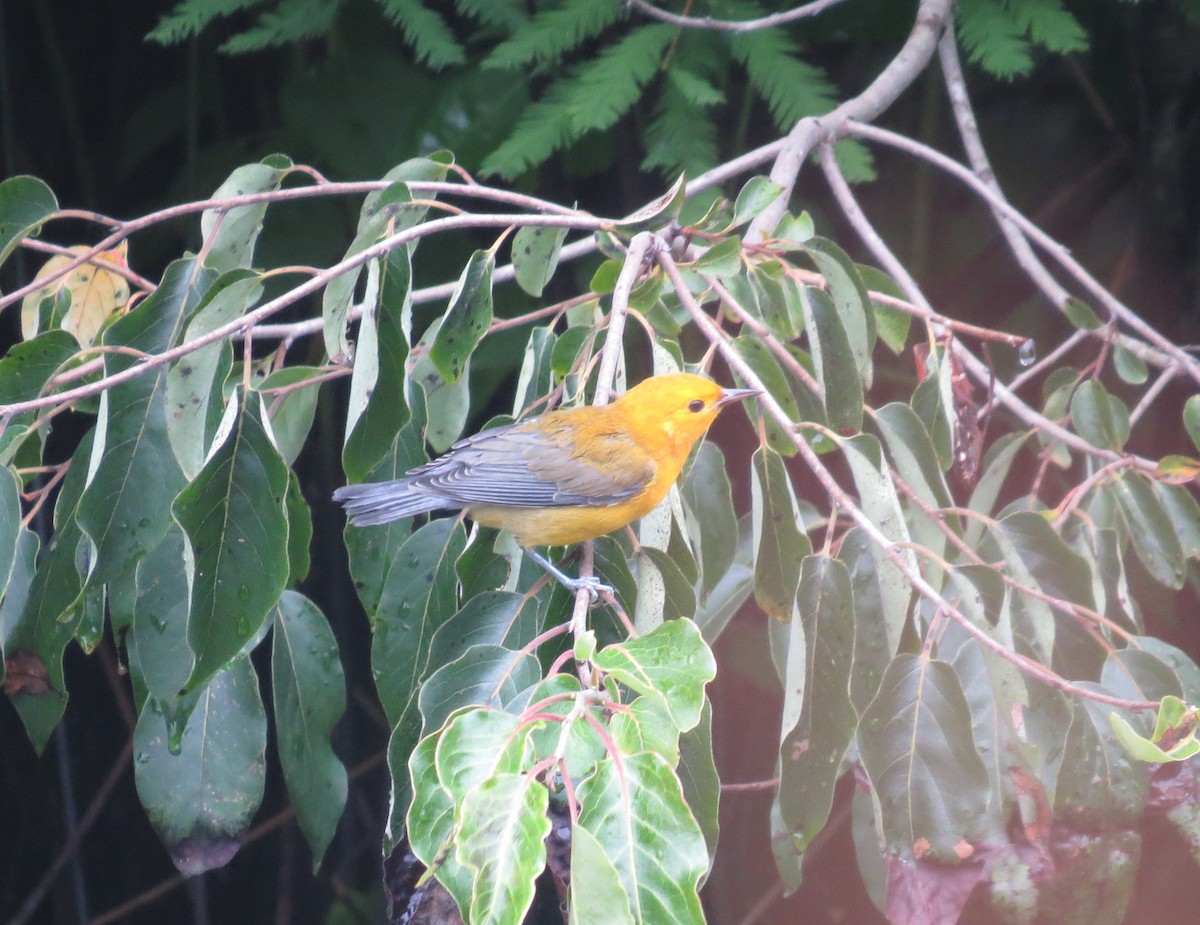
x=589, y=583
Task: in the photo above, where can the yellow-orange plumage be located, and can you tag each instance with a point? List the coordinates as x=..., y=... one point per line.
x=564, y=477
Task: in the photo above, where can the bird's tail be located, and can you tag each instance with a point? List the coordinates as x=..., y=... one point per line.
x=373, y=503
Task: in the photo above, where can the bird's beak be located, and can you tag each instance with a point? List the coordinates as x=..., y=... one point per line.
x=729, y=396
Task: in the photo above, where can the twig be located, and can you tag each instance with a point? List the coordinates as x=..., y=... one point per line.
x=1152, y=393
x=979, y=371
x=317, y=282
x=900, y=72
x=813, y=8
x=119, y=269
x=1061, y=254
x=837, y=494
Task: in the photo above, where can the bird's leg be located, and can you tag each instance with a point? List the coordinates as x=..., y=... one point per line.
x=590, y=583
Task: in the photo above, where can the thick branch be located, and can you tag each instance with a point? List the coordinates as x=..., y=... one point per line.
x=893, y=80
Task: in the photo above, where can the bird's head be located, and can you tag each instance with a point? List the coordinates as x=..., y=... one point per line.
x=682, y=405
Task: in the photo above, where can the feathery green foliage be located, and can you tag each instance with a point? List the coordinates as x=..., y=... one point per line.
x=549, y=36
x=426, y=31
x=999, y=35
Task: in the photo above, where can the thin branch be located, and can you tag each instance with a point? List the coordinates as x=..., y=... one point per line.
x=893, y=80
x=58, y=250
x=978, y=370
x=813, y=8
x=641, y=247
x=245, y=322
x=847, y=504
x=1061, y=254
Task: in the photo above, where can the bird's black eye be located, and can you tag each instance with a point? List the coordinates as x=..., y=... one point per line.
x=695, y=405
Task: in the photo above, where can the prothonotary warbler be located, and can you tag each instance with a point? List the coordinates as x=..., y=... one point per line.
x=567, y=476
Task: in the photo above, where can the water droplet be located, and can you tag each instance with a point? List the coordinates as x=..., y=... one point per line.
x=1027, y=352
x=159, y=624
x=144, y=522
x=142, y=757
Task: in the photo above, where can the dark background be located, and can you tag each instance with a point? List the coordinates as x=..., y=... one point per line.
x=1102, y=149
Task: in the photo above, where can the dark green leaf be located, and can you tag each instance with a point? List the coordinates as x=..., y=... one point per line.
x=1184, y=512
x=880, y=502
x=201, y=797
x=310, y=697
x=997, y=468
x=918, y=750
x=300, y=531
x=665, y=208
x=848, y=294
x=24, y=203
x=1191, y=419
x=500, y=618
x=466, y=319
x=763, y=362
x=535, y=256
x=234, y=516
x=24, y=372
x=680, y=596
x=159, y=656
x=446, y=403
x=376, y=410
x=1129, y=366
x=872, y=653
x=1150, y=527
x=813, y=743
x=834, y=362
x=892, y=324
x=780, y=543
x=722, y=259
x=712, y=524
x=126, y=507
x=1100, y=418
x=10, y=523
x=698, y=776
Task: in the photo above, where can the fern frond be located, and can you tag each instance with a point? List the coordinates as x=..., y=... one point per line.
x=693, y=89
x=792, y=88
x=426, y=31
x=547, y=37
x=593, y=97
x=1049, y=25
x=682, y=138
x=992, y=38
x=508, y=14
x=191, y=16
x=290, y=21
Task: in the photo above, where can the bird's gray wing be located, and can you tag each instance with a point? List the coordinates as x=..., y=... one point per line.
x=532, y=465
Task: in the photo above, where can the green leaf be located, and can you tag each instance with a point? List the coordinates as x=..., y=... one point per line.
x=637, y=815
x=1184, y=512
x=446, y=403
x=10, y=524
x=310, y=697
x=24, y=372
x=535, y=256
x=16, y=588
x=49, y=613
x=484, y=675
x=780, y=543
x=998, y=467
x=1080, y=314
x=24, y=203
x=501, y=838
x=501, y=618
x=194, y=399
x=1100, y=418
x=709, y=516
x=1150, y=527
x=679, y=597
x=376, y=409
x=672, y=663
x=795, y=229
x=1191, y=419
x=1129, y=366
x=233, y=513
x=595, y=883
x=231, y=234
x=918, y=750
x=872, y=652
x=834, y=362
x=126, y=507
x=767, y=367
x=159, y=657
x=429, y=824
x=1098, y=783
x=722, y=259
x=891, y=323
x=698, y=776
x=658, y=212
x=880, y=502
x=552, y=32
x=754, y=196
x=811, y=750
x=201, y=797
x=466, y=319
x=848, y=293
x=418, y=595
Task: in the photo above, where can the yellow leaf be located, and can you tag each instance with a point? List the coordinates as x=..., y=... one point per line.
x=95, y=294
